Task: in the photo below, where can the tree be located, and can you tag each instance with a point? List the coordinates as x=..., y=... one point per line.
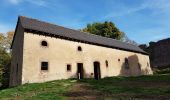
x=4, y=61
x=106, y=29
x=127, y=40
x=2, y=37
x=5, y=41
x=8, y=39
x=5, y=57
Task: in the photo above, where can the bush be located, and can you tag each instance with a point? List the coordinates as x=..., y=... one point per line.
x=6, y=76
x=4, y=66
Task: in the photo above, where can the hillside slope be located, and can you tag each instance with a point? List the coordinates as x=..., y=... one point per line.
x=143, y=87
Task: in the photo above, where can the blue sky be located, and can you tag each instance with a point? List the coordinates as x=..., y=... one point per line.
x=141, y=20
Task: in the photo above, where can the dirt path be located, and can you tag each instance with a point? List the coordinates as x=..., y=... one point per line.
x=83, y=91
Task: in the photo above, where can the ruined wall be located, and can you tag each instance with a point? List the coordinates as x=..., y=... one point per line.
x=61, y=52
x=159, y=53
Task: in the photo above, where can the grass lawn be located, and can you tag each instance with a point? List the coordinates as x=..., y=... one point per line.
x=38, y=91
x=142, y=87
x=151, y=87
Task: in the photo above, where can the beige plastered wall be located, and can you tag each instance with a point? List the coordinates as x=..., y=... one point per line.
x=61, y=52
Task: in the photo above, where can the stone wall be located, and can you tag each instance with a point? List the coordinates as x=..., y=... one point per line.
x=159, y=53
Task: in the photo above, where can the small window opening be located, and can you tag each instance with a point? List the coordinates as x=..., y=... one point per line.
x=79, y=48
x=118, y=59
x=44, y=65
x=126, y=63
x=106, y=63
x=68, y=67
x=44, y=43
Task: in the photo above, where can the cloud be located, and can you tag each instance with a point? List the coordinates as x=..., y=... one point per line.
x=157, y=6
x=14, y=1
x=35, y=2
x=149, y=19
x=125, y=11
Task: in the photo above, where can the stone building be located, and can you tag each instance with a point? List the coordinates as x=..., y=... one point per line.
x=159, y=53
x=43, y=52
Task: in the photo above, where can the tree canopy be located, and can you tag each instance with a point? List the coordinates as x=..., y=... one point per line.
x=2, y=37
x=127, y=40
x=4, y=68
x=106, y=29
x=5, y=41
x=5, y=56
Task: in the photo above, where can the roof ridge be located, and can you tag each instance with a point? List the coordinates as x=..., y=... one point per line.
x=36, y=24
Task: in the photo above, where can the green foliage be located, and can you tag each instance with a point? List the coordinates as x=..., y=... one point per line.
x=5, y=41
x=2, y=37
x=5, y=56
x=106, y=29
x=4, y=61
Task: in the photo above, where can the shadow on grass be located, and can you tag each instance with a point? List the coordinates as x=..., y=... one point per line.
x=141, y=86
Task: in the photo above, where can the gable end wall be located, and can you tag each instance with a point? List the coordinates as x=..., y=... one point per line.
x=17, y=57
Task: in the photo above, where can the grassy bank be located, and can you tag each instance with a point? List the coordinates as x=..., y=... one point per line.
x=38, y=91
x=157, y=84
x=143, y=87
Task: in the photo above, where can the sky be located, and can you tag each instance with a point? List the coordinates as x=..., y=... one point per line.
x=142, y=20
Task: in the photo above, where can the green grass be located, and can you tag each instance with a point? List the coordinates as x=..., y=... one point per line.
x=143, y=85
x=38, y=91
x=114, y=87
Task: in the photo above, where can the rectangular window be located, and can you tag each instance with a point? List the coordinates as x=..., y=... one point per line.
x=68, y=67
x=44, y=65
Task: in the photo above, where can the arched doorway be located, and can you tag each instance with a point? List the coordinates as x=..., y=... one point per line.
x=97, y=74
